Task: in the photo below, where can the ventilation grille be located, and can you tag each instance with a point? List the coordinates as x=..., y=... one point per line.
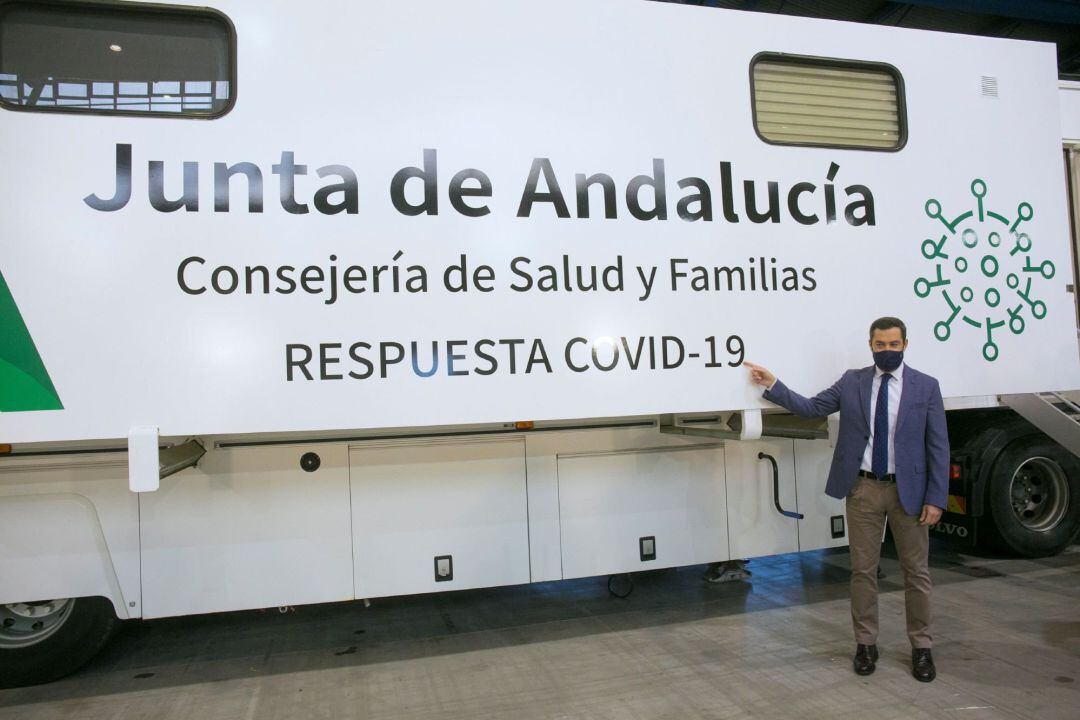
x=812, y=104
x=989, y=86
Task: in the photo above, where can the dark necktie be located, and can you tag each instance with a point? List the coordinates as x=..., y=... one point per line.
x=880, y=461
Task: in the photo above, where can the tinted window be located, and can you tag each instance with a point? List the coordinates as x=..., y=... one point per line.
x=116, y=59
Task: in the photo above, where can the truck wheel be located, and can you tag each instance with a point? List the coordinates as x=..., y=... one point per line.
x=1034, y=497
x=46, y=640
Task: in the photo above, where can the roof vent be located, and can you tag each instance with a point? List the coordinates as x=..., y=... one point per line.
x=989, y=86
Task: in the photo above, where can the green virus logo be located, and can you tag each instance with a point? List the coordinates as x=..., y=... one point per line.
x=24, y=381
x=983, y=270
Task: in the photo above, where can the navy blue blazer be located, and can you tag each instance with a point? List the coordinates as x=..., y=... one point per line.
x=921, y=440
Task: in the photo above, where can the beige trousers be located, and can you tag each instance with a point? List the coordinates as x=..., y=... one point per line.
x=868, y=505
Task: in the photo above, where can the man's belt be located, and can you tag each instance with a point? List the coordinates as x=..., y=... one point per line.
x=891, y=477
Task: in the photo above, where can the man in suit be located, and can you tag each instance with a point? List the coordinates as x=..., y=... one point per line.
x=891, y=462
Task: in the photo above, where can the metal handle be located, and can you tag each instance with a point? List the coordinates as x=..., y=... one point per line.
x=776, y=487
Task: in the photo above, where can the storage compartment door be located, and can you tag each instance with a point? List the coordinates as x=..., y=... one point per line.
x=413, y=502
x=610, y=501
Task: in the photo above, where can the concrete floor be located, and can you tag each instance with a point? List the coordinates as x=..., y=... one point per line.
x=1007, y=645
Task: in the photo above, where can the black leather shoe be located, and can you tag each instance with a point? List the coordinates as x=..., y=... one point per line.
x=922, y=665
x=865, y=657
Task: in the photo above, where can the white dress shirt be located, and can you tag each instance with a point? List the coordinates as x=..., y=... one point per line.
x=896, y=386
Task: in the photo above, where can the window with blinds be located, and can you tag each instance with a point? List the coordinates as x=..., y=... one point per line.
x=831, y=103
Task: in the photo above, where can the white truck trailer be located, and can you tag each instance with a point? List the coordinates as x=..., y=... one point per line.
x=354, y=300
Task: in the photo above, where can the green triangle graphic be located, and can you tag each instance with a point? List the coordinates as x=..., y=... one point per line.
x=24, y=382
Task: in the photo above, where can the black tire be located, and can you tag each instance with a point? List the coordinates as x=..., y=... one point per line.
x=621, y=586
x=77, y=636
x=1033, y=498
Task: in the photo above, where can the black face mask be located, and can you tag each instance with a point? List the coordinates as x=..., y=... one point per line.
x=888, y=360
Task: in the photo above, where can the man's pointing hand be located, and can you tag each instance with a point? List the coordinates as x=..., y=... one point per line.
x=760, y=376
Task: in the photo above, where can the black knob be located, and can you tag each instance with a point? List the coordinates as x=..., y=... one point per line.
x=310, y=462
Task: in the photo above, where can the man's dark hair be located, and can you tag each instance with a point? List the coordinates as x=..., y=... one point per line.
x=886, y=323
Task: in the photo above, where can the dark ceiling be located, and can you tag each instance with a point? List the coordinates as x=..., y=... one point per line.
x=1056, y=21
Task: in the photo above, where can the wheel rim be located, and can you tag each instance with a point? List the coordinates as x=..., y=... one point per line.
x=1039, y=492
x=25, y=624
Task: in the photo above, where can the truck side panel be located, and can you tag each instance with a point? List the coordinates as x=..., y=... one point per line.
x=251, y=527
x=816, y=530
x=248, y=528
x=69, y=528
